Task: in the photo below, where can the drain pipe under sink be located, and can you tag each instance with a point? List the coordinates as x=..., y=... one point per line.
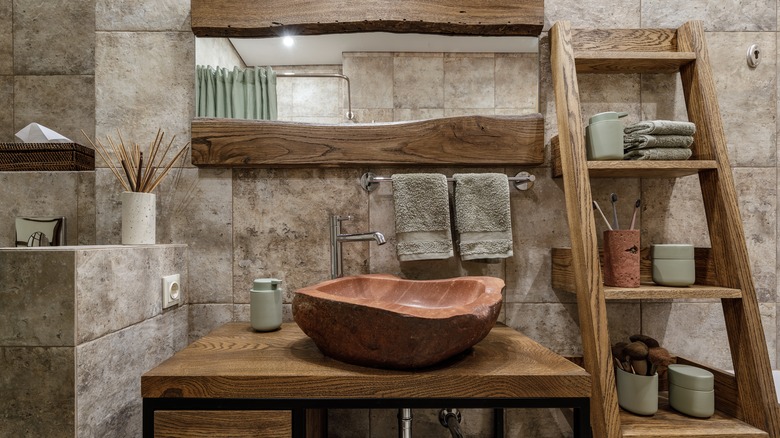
x=405, y=423
x=450, y=418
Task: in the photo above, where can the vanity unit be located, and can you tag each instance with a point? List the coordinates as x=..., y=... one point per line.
x=237, y=381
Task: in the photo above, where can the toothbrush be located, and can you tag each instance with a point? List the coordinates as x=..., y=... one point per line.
x=596, y=206
x=636, y=209
x=613, y=198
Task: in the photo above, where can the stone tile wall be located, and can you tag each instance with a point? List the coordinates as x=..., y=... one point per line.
x=78, y=328
x=245, y=224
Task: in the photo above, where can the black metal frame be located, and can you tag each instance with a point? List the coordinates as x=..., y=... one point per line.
x=580, y=405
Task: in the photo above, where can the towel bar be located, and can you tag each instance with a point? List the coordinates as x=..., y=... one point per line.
x=370, y=182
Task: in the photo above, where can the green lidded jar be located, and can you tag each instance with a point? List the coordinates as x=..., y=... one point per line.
x=265, y=304
x=691, y=390
x=673, y=264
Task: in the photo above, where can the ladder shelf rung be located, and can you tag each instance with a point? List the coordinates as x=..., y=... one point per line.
x=631, y=62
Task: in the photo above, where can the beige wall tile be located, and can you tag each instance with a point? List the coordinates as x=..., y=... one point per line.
x=517, y=82
x=673, y=212
x=697, y=330
x=203, y=318
x=6, y=38
x=373, y=115
x=281, y=226
x=86, y=209
x=54, y=37
x=37, y=289
x=196, y=209
x=746, y=96
x=144, y=82
x=418, y=81
x=757, y=194
x=469, y=81
x=48, y=410
x=724, y=15
x=142, y=15
x=7, y=102
x=134, y=283
x=538, y=224
x=108, y=208
x=404, y=114
x=65, y=104
x=593, y=14
x=109, y=369
x=316, y=97
x=371, y=79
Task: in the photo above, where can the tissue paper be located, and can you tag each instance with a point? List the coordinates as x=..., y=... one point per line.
x=35, y=133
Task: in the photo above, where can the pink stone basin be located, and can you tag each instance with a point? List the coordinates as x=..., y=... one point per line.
x=384, y=321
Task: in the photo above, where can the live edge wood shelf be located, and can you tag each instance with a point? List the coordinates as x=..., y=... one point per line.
x=236, y=370
x=450, y=141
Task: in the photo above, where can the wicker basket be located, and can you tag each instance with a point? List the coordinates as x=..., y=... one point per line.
x=45, y=156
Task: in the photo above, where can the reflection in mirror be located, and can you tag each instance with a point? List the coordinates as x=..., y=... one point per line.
x=391, y=77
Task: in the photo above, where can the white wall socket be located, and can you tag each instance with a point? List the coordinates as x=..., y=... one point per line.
x=171, y=290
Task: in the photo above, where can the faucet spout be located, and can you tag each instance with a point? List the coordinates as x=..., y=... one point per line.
x=337, y=238
x=358, y=237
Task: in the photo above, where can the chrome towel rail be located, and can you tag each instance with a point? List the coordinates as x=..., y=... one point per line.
x=370, y=182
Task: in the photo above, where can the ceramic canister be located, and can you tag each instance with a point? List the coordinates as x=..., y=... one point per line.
x=691, y=390
x=604, y=136
x=673, y=264
x=637, y=393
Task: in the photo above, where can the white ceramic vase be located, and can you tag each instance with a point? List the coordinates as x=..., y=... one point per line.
x=139, y=215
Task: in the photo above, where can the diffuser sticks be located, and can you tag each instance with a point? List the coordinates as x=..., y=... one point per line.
x=138, y=171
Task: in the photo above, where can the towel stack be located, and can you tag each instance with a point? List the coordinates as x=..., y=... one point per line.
x=658, y=140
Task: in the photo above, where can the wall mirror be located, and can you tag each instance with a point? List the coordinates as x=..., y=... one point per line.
x=354, y=68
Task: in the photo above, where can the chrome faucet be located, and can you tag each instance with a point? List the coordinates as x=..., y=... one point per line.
x=336, y=238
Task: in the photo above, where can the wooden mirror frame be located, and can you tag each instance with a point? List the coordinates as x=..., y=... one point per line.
x=499, y=140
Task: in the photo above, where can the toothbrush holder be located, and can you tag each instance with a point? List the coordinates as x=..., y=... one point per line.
x=621, y=258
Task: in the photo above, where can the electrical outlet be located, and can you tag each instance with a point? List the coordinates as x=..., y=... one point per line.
x=171, y=290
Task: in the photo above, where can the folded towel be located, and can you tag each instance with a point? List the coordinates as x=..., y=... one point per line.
x=646, y=141
x=659, y=154
x=422, y=216
x=482, y=215
x=661, y=127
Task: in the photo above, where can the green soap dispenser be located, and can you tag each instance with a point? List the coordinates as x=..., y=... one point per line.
x=265, y=304
x=604, y=136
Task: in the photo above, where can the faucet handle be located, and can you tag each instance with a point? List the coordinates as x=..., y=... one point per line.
x=341, y=218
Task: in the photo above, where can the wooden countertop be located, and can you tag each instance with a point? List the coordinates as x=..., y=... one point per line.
x=233, y=361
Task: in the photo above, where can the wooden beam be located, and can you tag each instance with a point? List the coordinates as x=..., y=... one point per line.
x=253, y=18
x=458, y=141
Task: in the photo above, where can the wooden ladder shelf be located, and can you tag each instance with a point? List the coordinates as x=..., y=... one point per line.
x=746, y=403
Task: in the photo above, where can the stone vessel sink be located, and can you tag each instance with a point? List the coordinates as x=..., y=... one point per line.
x=386, y=322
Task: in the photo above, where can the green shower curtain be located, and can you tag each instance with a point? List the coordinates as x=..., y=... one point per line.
x=241, y=93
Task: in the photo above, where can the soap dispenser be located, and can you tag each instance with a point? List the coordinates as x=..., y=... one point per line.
x=604, y=136
x=265, y=304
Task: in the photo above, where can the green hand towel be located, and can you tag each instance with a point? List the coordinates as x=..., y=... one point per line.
x=482, y=216
x=659, y=154
x=422, y=216
x=647, y=141
x=661, y=127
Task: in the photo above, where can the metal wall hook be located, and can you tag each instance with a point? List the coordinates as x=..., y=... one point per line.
x=521, y=181
x=753, y=53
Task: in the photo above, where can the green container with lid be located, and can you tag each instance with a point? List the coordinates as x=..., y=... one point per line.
x=265, y=304
x=691, y=390
x=673, y=264
x=604, y=136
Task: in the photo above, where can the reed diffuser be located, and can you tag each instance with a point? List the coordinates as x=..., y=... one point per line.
x=137, y=172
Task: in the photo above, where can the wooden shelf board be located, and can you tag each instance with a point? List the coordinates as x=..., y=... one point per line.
x=631, y=62
x=670, y=423
x=447, y=141
x=633, y=169
x=648, y=169
x=653, y=291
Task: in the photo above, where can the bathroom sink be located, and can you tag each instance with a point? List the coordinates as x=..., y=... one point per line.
x=384, y=321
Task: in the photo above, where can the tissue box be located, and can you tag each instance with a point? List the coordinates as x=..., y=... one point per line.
x=45, y=156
